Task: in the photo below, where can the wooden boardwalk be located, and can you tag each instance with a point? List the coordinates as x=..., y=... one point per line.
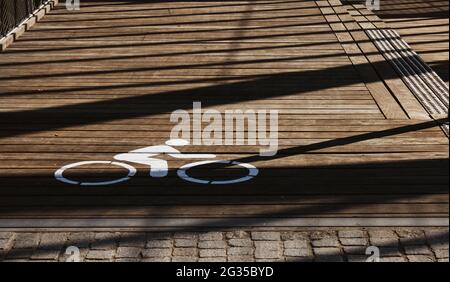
x=356, y=148
x=424, y=24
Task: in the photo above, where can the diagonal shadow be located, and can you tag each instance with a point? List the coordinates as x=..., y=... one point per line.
x=266, y=86
x=349, y=140
x=259, y=87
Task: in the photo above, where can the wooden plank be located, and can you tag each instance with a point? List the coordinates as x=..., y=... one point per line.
x=75, y=88
x=395, y=144
x=284, y=126
x=405, y=97
x=177, y=189
x=241, y=210
x=424, y=27
x=288, y=160
x=223, y=200
x=332, y=11
x=56, y=147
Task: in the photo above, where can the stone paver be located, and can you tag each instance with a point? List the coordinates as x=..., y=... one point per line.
x=266, y=236
x=240, y=251
x=50, y=246
x=6, y=235
x=159, y=244
x=327, y=254
x=46, y=254
x=184, y=243
x=384, y=241
x=326, y=242
x=80, y=239
x=438, y=242
x=185, y=252
x=184, y=259
x=211, y=236
x=296, y=244
x=267, y=249
x=354, y=241
x=210, y=253
x=5, y=243
x=240, y=242
x=212, y=245
x=299, y=259
x=355, y=250
x=237, y=234
x=297, y=252
x=382, y=233
x=270, y=260
x=49, y=240
x=239, y=258
x=105, y=241
x=224, y=259
x=294, y=235
x=441, y=254
x=19, y=254
x=186, y=235
x=128, y=252
x=390, y=252
x=100, y=254
x=136, y=240
x=156, y=259
x=336, y=245
x=156, y=253
x=413, y=241
x=420, y=258
x=393, y=259
x=27, y=240
x=127, y=260
x=410, y=233
x=417, y=250
x=356, y=258
x=352, y=234
x=160, y=236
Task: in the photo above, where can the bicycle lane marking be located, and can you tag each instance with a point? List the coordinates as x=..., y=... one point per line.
x=60, y=177
x=182, y=172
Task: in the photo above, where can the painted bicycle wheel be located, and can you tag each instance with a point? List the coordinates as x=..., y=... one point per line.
x=59, y=174
x=183, y=172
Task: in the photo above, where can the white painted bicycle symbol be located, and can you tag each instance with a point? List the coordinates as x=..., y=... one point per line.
x=159, y=168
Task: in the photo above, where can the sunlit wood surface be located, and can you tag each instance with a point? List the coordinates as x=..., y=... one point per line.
x=90, y=84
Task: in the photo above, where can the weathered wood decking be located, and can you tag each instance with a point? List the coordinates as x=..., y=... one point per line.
x=424, y=24
x=354, y=143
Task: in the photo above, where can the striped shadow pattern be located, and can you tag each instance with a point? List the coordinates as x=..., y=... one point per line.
x=431, y=91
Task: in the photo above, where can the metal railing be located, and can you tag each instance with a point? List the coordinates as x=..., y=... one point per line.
x=14, y=12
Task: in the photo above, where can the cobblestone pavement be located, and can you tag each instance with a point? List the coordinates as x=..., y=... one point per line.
x=343, y=245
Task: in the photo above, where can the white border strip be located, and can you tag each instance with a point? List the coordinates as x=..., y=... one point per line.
x=31, y=223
